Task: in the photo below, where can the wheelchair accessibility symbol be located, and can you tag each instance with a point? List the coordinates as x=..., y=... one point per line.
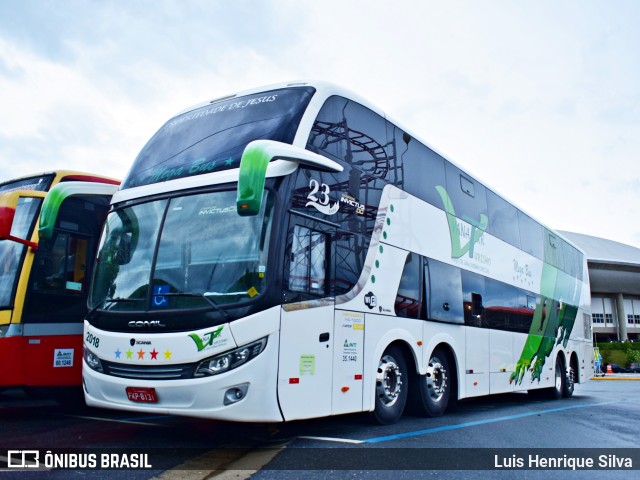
x=158, y=299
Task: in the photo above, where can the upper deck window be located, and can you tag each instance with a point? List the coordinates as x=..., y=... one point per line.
x=212, y=138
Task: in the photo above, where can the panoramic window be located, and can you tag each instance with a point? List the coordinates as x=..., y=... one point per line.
x=212, y=138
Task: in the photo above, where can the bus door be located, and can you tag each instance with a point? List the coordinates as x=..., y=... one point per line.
x=307, y=319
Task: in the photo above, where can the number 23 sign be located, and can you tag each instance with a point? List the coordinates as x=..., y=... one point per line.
x=319, y=198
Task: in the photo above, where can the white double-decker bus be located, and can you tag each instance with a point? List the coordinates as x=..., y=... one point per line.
x=290, y=252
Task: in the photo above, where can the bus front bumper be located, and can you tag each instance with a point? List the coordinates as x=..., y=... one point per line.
x=245, y=394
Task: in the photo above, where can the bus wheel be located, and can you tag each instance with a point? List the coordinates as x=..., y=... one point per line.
x=569, y=382
x=559, y=386
x=436, y=384
x=391, y=386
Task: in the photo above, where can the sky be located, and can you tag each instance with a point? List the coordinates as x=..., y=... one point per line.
x=539, y=99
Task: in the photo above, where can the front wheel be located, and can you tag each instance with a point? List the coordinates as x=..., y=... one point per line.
x=391, y=386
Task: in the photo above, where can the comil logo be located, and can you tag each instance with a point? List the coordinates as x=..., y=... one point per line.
x=23, y=459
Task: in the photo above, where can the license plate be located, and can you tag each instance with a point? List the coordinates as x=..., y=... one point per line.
x=142, y=394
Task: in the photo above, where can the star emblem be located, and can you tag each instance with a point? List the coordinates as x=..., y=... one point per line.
x=154, y=354
x=167, y=354
x=118, y=353
x=228, y=162
x=129, y=354
x=141, y=355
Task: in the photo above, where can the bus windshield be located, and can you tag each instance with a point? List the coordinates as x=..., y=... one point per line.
x=194, y=251
x=212, y=138
x=11, y=252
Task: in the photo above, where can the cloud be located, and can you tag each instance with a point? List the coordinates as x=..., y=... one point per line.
x=538, y=100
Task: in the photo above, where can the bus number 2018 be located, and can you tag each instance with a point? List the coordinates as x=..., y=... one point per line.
x=92, y=340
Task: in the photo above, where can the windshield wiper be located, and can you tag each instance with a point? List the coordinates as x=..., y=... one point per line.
x=197, y=295
x=111, y=300
x=222, y=294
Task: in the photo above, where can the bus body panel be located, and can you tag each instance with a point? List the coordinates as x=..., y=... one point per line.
x=53, y=360
x=477, y=361
x=203, y=397
x=501, y=361
x=11, y=371
x=348, y=362
x=305, y=364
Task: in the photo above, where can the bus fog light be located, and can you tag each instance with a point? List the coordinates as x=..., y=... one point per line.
x=236, y=394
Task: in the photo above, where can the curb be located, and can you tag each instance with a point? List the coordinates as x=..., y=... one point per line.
x=632, y=379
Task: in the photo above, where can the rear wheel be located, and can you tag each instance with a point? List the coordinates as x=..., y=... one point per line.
x=391, y=386
x=570, y=381
x=559, y=385
x=433, y=392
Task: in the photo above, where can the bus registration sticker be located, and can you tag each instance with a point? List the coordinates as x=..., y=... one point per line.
x=142, y=394
x=63, y=357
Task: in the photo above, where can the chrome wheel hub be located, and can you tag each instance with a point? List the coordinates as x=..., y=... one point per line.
x=388, y=380
x=436, y=379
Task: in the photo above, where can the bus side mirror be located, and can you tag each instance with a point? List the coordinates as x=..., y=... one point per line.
x=59, y=193
x=253, y=169
x=8, y=206
x=6, y=221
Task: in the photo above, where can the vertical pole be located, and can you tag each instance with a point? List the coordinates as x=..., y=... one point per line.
x=622, y=318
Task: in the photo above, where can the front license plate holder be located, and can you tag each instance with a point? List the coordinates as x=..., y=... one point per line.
x=142, y=394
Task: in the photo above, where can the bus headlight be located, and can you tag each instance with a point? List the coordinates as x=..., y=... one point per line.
x=230, y=360
x=92, y=360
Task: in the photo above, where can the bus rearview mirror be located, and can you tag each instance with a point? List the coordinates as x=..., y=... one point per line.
x=8, y=206
x=255, y=160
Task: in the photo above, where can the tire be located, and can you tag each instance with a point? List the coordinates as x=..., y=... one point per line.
x=392, y=383
x=432, y=394
x=558, y=389
x=570, y=381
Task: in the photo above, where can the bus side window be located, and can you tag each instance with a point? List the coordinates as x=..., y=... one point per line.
x=61, y=264
x=409, y=302
x=443, y=288
x=308, y=261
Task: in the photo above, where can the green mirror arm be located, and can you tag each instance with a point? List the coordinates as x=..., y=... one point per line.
x=253, y=169
x=62, y=191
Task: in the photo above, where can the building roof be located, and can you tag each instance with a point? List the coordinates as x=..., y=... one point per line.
x=601, y=250
x=613, y=267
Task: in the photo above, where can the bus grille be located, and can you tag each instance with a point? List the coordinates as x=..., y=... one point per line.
x=149, y=372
